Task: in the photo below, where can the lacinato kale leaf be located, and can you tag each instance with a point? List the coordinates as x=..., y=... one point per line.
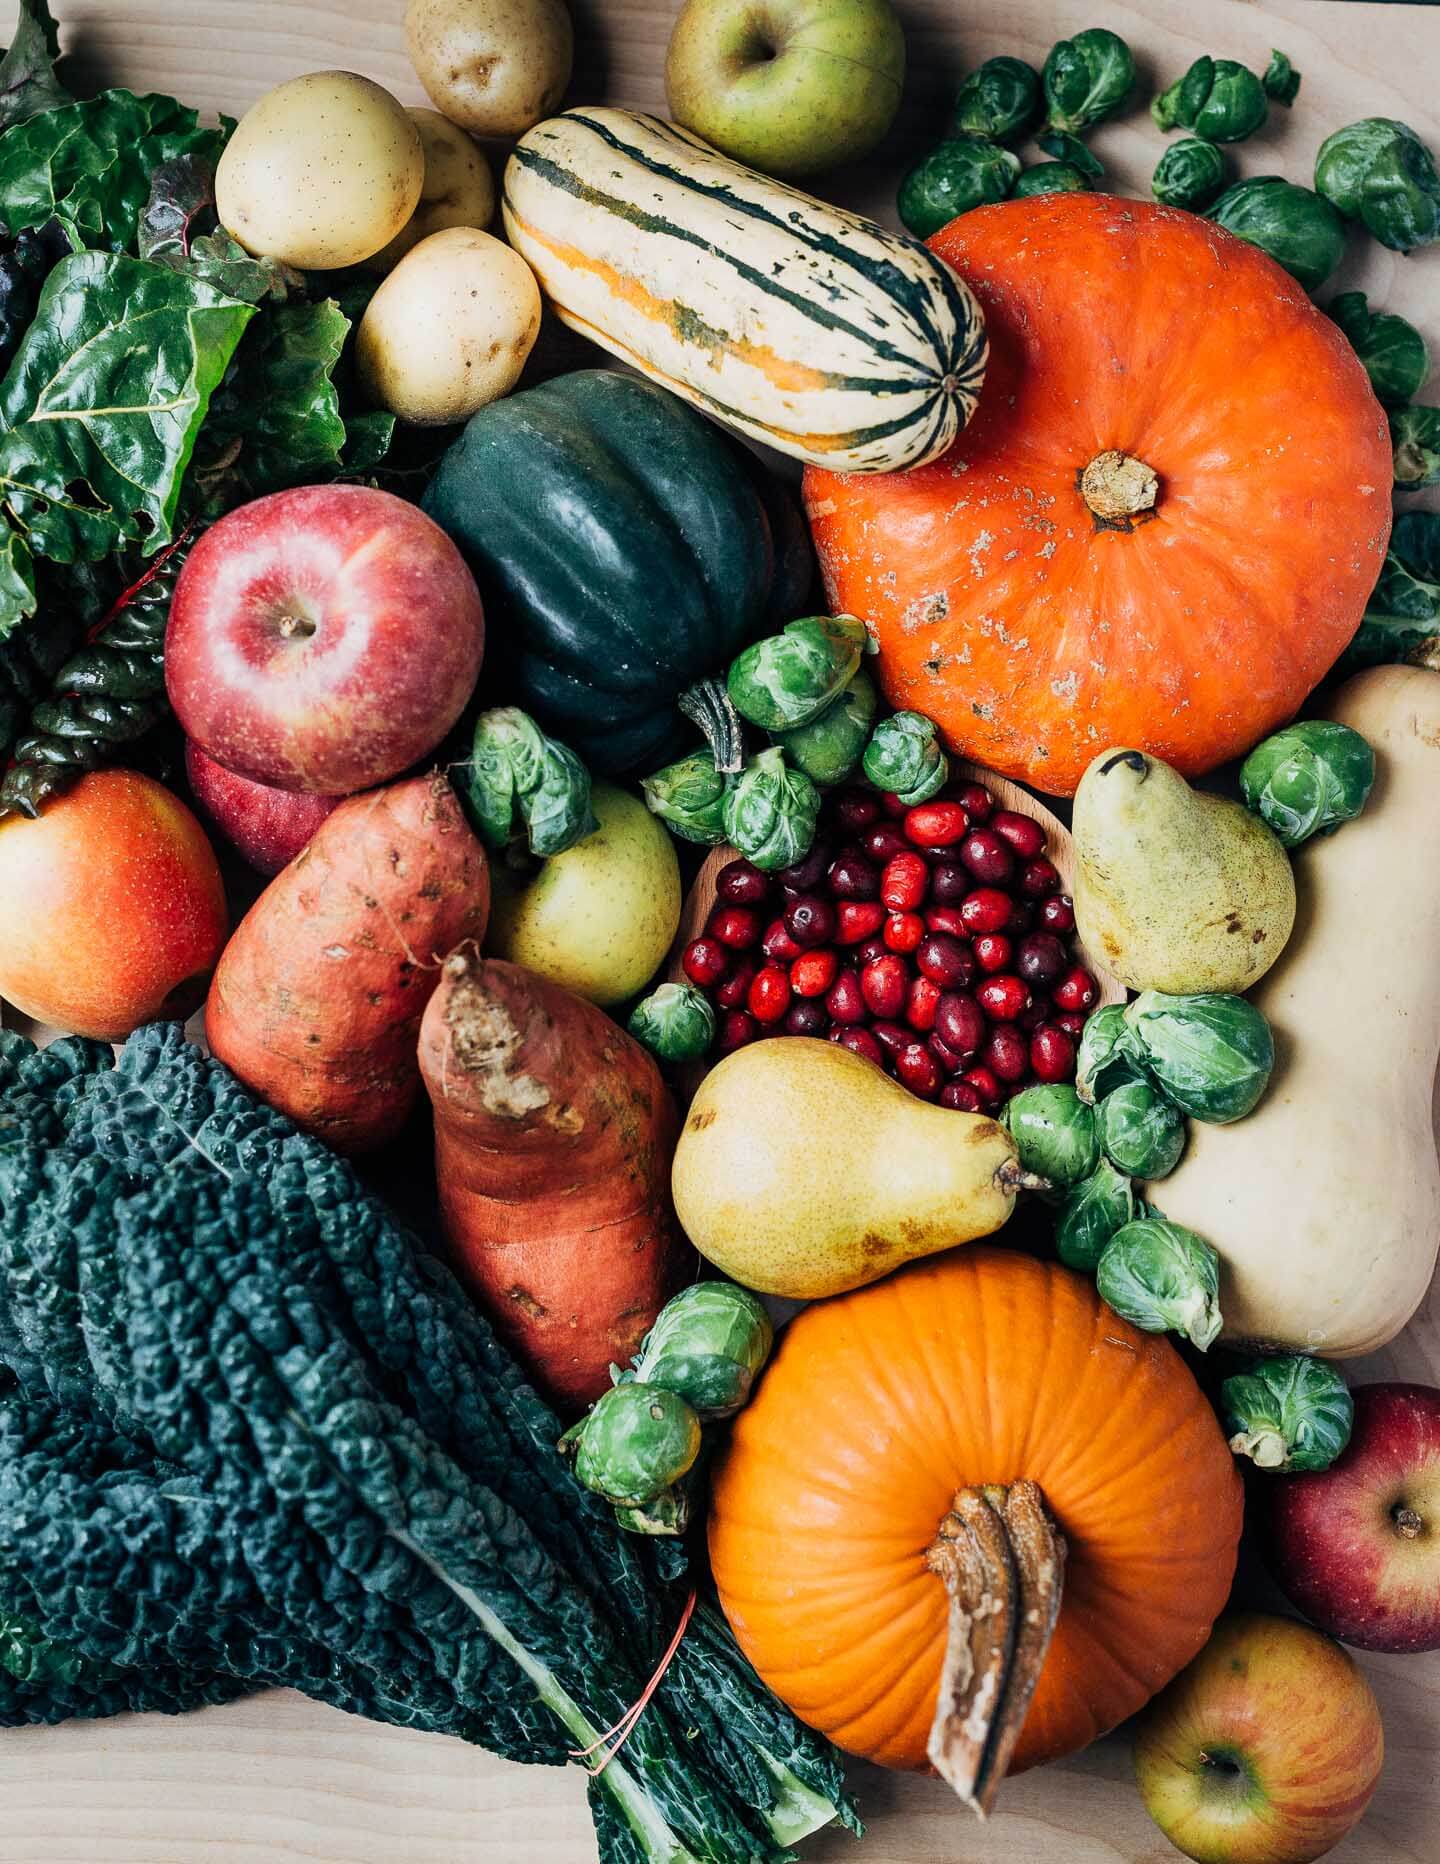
x=28, y=83
x=180, y=229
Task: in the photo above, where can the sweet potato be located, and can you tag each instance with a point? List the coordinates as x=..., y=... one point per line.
x=553, y=1140
x=318, y=996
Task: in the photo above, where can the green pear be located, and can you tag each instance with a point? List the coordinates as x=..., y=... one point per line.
x=1175, y=889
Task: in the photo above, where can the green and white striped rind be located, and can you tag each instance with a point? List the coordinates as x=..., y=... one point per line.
x=803, y=326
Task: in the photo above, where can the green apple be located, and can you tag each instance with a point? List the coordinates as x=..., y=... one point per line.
x=787, y=86
x=599, y=918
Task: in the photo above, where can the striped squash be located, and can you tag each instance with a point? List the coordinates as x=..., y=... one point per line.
x=800, y=325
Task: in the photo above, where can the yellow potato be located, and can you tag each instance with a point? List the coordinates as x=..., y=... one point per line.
x=494, y=66
x=458, y=189
x=321, y=173
x=450, y=328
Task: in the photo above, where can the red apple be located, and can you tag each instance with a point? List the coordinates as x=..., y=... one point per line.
x=1357, y=1546
x=1265, y=1750
x=267, y=826
x=323, y=639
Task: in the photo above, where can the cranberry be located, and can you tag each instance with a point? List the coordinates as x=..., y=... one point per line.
x=860, y=1042
x=1022, y=833
x=872, y=949
x=892, y=805
x=1040, y=959
x=1034, y=1013
x=960, y=1097
x=944, y=960
x=810, y=920
x=1057, y=913
x=904, y=931
x=884, y=986
x=919, y=1071
x=984, y=1084
x=732, y=991
x=1075, y=991
x=987, y=909
x=705, y=962
x=736, y=1030
x=1022, y=916
x=769, y=995
x=920, y=1004
x=1007, y=1053
x=778, y=944
x=735, y=926
x=883, y=842
x=1039, y=879
x=992, y=951
x=975, y=800
x=857, y=809
x=987, y=857
x=949, y=1059
x=805, y=875
x=739, y=883
x=892, y=1035
x=1052, y=1054
x=949, y=882
x=857, y=919
x=806, y=1018
x=813, y=972
x=852, y=877
x=936, y=825
x=1003, y=998
x=959, y=1022
x=843, y=999
x=946, y=919
x=904, y=882
x=1071, y=1021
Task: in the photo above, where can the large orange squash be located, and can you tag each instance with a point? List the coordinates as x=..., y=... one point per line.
x=886, y=1411
x=1160, y=527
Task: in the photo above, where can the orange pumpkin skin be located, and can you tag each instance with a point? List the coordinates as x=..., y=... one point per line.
x=982, y=1366
x=1036, y=639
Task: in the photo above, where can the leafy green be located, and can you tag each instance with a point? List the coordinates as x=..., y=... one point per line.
x=179, y=228
x=1393, y=351
x=28, y=83
x=26, y=261
x=1281, y=79
x=1401, y=622
x=1087, y=79
x=1415, y=435
x=1290, y=1413
x=1069, y=150
x=1163, y=1278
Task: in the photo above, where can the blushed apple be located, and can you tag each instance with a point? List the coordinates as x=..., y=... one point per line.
x=266, y=826
x=1265, y=1750
x=323, y=639
x=1357, y=1546
x=787, y=86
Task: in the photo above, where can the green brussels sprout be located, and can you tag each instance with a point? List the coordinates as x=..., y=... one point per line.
x=1191, y=173
x=1141, y=1132
x=999, y=102
x=1281, y=79
x=1401, y=623
x=1091, y=1215
x=1087, y=79
x=1211, y=1053
x=689, y=798
x=1050, y=178
x=1308, y=779
x=1216, y=99
x=1162, y=1278
x=904, y=757
x=1378, y=171
x=1104, y=1060
x=1393, y=351
x=829, y=747
x=1415, y=436
x=634, y=1444
x=1290, y=1413
x=519, y=781
x=1071, y=152
x=791, y=677
x=1054, y=1133
x=666, y=1517
x=675, y=1022
x=770, y=811
x=1299, y=230
x=954, y=177
x=708, y=1346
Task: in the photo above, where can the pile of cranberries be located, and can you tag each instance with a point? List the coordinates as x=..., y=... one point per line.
x=931, y=940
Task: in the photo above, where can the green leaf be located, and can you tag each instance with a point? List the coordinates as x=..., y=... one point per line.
x=28, y=84
x=17, y=582
x=1401, y=623
x=1415, y=434
x=1071, y=151
x=179, y=229
x=368, y=439
x=1281, y=80
x=104, y=400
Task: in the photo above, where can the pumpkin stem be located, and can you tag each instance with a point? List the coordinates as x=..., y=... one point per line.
x=707, y=704
x=1001, y=1560
x=1119, y=489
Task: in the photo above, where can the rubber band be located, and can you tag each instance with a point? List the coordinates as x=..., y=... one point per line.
x=625, y=1727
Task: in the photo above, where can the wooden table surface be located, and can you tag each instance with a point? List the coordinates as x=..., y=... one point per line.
x=279, y=1780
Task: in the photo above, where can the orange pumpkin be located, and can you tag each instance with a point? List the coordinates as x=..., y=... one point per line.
x=1162, y=524
x=982, y=1367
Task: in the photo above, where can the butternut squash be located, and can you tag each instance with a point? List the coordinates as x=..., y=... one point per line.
x=1325, y=1202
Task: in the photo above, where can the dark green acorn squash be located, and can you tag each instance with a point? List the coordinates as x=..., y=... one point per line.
x=624, y=557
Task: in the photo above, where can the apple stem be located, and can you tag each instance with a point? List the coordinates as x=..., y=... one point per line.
x=1407, y=1523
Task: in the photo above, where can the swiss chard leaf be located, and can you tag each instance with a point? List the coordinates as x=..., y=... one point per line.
x=28, y=83
x=17, y=582
x=25, y=264
x=179, y=229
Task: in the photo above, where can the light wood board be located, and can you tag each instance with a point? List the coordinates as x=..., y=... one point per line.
x=279, y=1780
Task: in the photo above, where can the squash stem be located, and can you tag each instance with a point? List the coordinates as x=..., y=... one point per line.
x=707, y=704
x=1119, y=489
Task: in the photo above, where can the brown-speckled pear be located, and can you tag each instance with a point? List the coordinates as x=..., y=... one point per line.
x=804, y=1171
x=1175, y=889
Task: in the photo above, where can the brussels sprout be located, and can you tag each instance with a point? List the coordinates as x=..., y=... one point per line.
x=675, y=1022
x=1087, y=79
x=1054, y=1133
x=636, y=1442
x=517, y=780
x=1050, y=178
x=1091, y=1215
x=1308, y=779
x=1298, y=229
x=1191, y=173
x=904, y=756
x=1104, y=1061
x=954, y=177
x=1281, y=79
x=770, y=811
x=998, y=102
x=1216, y=98
x=666, y=1517
x=1379, y=171
x=1212, y=1054
x=829, y=747
x=1401, y=623
x=791, y=677
x=1162, y=1278
x=708, y=1346
x=1415, y=435
x=1071, y=153
x=1290, y=1413
x=1141, y=1132
x=689, y=798
x=1393, y=351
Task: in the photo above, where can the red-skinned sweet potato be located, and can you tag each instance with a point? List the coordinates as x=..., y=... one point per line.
x=318, y=996
x=553, y=1139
